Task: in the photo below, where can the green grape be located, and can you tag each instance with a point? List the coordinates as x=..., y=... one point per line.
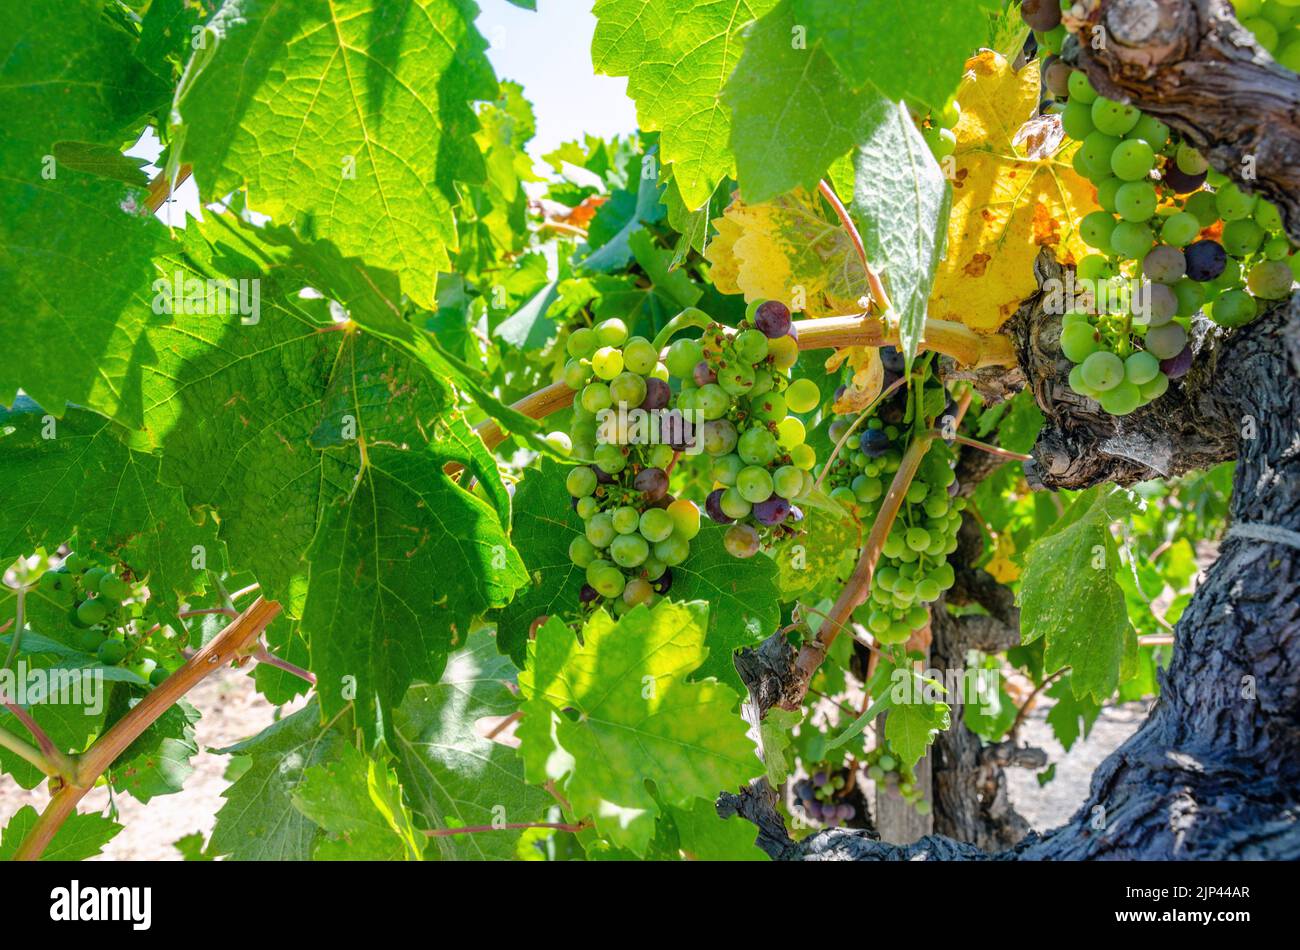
x=580, y=481
x=110, y=652
x=787, y=482
x=1113, y=118
x=803, y=457
x=1091, y=267
x=685, y=516
x=1191, y=296
x=1078, y=341
x=783, y=351
x=600, y=529
x=91, y=612
x=916, y=492
x=672, y=550
x=763, y=383
x=754, y=484
x=1081, y=88
x=1152, y=131
x=625, y=519
x=607, y=362
x=1203, y=205
x=734, y=504
x=1267, y=216
x=1270, y=280
x=628, y=388
x=802, y=395
x=1189, y=160
x=867, y=488
x=1096, y=155
x=1102, y=371
x=1266, y=34
x=844, y=496
x=712, y=401
x=582, y=343
x=1277, y=247
x=640, y=356
x=576, y=374
x=1121, y=399
x=610, y=458
x=629, y=550
x=1166, y=342
x=917, y=538
x=1141, y=367
x=928, y=591
x=751, y=346
x=1234, y=308
x=1136, y=201
x=609, y=581
x=611, y=332
x=1242, y=237
x=772, y=407
x=1096, y=229
x=1155, y=388
x=1052, y=40
x=1132, y=160
x=737, y=379
x=1180, y=229
x=719, y=437
x=1131, y=239
x=790, y=432
x=660, y=456
x=682, y=358
x=1107, y=189
x=726, y=468
x=1076, y=120
x=1233, y=204
x=757, y=447
x=595, y=397
x=581, y=551
x=587, y=507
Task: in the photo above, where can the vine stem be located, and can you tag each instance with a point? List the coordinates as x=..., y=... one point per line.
x=877, y=288
x=984, y=447
x=20, y=603
x=228, y=645
x=26, y=751
x=971, y=349
x=56, y=762
x=475, y=829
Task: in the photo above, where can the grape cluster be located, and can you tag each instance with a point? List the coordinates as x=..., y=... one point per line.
x=101, y=606
x=1276, y=25
x=913, y=569
x=821, y=797
x=634, y=531
x=740, y=386
x=938, y=130
x=1044, y=18
x=884, y=768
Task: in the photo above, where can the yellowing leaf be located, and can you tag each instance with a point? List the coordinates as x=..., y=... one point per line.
x=868, y=377
x=1006, y=205
x=786, y=249
x=1001, y=566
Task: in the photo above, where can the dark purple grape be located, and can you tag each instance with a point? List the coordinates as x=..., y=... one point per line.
x=713, y=507
x=1205, y=260
x=1181, y=182
x=804, y=791
x=663, y=502
x=874, y=443
x=664, y=583
x=773, y=319
x=657, y=394
x=1042, y=16
x=772, y=511
x=704, y=374
x=819, y=778
x=588, y=594
x=602, y=477
x=1177, y=366
x=891, y=359
x=652, y=483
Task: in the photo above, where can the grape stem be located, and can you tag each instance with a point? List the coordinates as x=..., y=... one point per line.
x=263, y=655
x=20, y=605
x=229, y=644
x=690, y=317
x=873, y=280
x=983, y=446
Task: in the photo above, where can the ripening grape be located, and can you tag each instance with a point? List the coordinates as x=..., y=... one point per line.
x=772, y=317
x=741, y=540
x=685, y=517
x=652, y=483
x=784, y=352
x=719, y=436
x=1164, y=264
x=1042, y=16
x=772, y=510
x=1270, y=280
x=657, y=394
x=637, y=591
x=1205, y=260
x=1164, y=342
x=1102, y=371
x=1180, y=182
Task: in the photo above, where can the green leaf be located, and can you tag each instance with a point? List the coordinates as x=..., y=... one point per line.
x=259, y=822
x=158, y=761
x=776, y=741
x=80, y=836
x=106, y=161
x=906, y=48
x=911, y=727
x=357, y=802
x=349, y=120
x=454, y=776
x=1072, y=715
x=703, y=836
x=626, y=213
x=793, y=114
x=677, y=55
x=637, y=719
x=901, y=202
x=1069, y=595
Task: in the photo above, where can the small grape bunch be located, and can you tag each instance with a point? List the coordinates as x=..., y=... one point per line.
x=1276, y=25
x=1120, y=365
x=938, y=129
x=821, y=796
x=634, y=531
x=739, y=386
x=884, y=768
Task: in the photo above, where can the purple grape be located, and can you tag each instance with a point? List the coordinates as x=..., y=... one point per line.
x=819, y=779
x=1181, y=182
x=1205, y=260
x=652, y=483
x=874, y=443
x=664, y=583
x=713, y=507
x=804, y=791
x=1177, y=366
x=847, y=812
x=704, y=374
x=602, y=477
x=773, y=319
x=657, y=394
x=772, y=511
x=663, y=502
x=676, y=431
x=1041, y=15
x=891, y=359
x=588, y=594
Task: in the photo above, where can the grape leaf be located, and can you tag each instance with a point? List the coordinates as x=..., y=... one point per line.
x=793, y=113
x=911, y=727
x=79, y=837
x=158, y=761
x=1005, y=206
x=1069, y=595
x=350, y=120
x=638, y=718
x=73, y=475
x=819, y=557
x=901, y=203
x=626, y=213
x=1072, y=715
x=259, y=822
x=703, y=836
x=677, y=55
x=920, y=56
x=453, y=775
x=357, y=803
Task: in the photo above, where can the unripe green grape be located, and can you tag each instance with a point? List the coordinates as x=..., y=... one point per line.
x=734, y=504
x=625, y=519
x=1270, y=280
x=1233, y=204
x=1095, y=155
x=878, y=621
x=580, y=481
x=803, y=457
x=1081, y=90
x=660, y=456
x=1079, y=341
x=787, y=482
x=1242, y=237
x=1180, y=229
x=1191, y=296
x=1107, y=189
x=91, y=612
x=1132, y=159
x=672, y=550
x=751, y=345
x=1122, y=399
x=1277, y=248
x=682, y=357
x=1204, y=207
x=600, y=529
x=611, y=332
x=1155, y=388
x=629, y=550
x=1102, y=371
x=587, y=507
x=1096, y=229
x=917, y=538
x=754, y=484
x=1113, y=118
x=1266, y=34
x=802, y=396
x=1165, y=342
x=1135, y=201
x=917, y=617
x=757, y=447
x=893, y=546
x=640, y=356
x=608, y=580
x=712, y=401
x=726, y=468
x=628, y=388
x=1140, y=368
x=1152, y=131
x=772, y=407
x=1091, y=267
x=867, y=489
x=581, y=551
x=935, y=504
x=610, y=458
x=916, y=493
x=685, y=516
x=1267, y=216
x=607, y=362
x=110, y=652
x=1234, y=308
x=576, y=374
x=582, y=343
x=790, y=432
x=928, y=591
x=595, y=397
x=1076, y=120
x=1131, y=239
x=1189, y=160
